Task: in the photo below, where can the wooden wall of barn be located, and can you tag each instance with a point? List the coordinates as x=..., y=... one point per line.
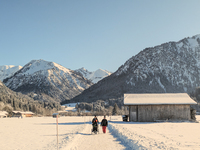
x=133, y=113
x=150, y=113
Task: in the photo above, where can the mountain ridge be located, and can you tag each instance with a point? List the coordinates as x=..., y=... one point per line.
x=171, y=67
x=47, y=79
x=8, y=70
x=94, y=76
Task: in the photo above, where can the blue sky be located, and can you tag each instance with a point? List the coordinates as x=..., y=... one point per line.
x=91, y=33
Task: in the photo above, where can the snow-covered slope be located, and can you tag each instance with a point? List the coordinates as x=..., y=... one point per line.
x=18, y=101
x=173, y=64
x=94, y=76
x=8, y=70
x=47, y=79
x=172, y=67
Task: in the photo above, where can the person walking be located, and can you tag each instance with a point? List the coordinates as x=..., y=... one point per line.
x=95, y=124
x=104, y=124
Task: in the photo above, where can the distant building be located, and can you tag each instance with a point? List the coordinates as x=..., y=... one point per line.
x=55, y=115
x=22, y=114
x=155, y=107
x=3, y=114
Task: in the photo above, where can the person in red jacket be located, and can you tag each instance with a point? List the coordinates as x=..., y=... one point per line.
x=104, y=124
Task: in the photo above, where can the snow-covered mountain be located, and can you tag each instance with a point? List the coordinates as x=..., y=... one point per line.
x=94, y=76
x=8, y=70
x=47, y=80
x=166, y=68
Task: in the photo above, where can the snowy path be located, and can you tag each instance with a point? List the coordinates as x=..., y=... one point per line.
x=85, y=140
x=39, y=133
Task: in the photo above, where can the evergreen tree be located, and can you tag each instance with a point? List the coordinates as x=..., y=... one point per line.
x=9, y=109
x=115, y=109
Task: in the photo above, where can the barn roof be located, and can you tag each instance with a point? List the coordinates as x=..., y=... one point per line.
x=27, y=112
x=158, y=99
x=55, y=114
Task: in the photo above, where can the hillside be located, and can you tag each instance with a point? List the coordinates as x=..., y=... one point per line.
x=10, y=100
x=171, y=67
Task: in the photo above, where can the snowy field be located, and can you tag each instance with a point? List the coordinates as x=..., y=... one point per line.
x=70, y=107
x=75, y=134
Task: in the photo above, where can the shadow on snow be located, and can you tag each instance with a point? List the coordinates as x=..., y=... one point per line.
x=123, y=122
x=67, y=123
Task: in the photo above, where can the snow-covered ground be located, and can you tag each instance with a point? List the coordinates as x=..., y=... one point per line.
x=70, y=107
x=163, y=135
x=75, y=134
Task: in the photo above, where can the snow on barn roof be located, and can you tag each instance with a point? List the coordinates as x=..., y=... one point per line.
x=55, y=114
x=27, y=112
x=158, y=99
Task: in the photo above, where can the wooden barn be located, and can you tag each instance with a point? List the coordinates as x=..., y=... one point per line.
x=22, y=114
x=158, y=107
x=28, y=114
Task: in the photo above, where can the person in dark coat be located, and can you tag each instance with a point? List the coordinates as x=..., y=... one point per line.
x=104, y=124
x=95, y=123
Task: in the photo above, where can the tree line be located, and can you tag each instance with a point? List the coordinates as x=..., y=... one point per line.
x=99, y=108
x=10, y=101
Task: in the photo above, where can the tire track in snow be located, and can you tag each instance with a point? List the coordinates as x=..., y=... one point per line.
x=136, y=141
x=130, y=143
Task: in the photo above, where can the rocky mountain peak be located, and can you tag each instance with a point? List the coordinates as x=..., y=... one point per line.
x=94, y=76
x=8, y=70
x=48, y=78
